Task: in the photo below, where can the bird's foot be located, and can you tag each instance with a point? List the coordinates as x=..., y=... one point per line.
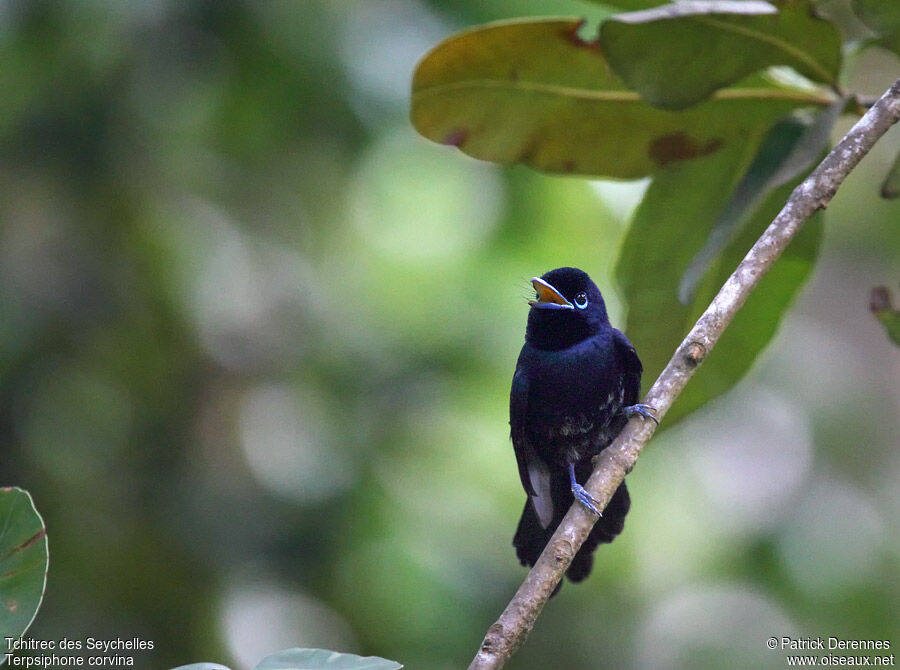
x=644, y=410
x=581, y=495
x=585, y=498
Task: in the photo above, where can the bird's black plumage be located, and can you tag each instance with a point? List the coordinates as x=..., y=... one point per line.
x=576, y=382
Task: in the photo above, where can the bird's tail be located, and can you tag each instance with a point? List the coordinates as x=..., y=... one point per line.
x=531, y=538
x=604, y=531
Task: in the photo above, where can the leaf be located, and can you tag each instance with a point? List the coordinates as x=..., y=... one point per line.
x=534, y=92
x=881, y=306
x=671, y=223
x=658, y=52
x=23, y=562
x=202, y=666
x=890, y=187
x=322, y=659
x=629, y=5
x=882, y=16
x=789, y=149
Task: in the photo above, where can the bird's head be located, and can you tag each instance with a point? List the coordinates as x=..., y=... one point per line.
x=567, y=309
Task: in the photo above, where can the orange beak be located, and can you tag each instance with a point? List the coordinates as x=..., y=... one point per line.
x=548, y=297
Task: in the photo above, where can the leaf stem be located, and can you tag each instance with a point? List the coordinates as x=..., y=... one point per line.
x=621, y=95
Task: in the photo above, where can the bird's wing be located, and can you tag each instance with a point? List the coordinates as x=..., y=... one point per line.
x=533, y=471
x=518, y=411
x=633, y=368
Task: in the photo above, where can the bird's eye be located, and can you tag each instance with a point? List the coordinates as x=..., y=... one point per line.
x=581, y=300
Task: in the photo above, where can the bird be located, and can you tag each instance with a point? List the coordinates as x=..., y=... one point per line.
x=576, y=384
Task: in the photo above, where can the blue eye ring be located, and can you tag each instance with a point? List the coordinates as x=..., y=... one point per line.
x=581, y=300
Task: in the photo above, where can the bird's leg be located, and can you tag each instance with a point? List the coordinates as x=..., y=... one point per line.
x=644, y=410
x=580, y=494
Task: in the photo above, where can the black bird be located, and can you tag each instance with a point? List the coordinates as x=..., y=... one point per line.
x=576, y=384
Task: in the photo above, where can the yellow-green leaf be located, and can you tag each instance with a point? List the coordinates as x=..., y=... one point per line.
x=534, y=92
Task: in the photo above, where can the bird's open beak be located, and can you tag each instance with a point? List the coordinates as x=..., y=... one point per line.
x=547, y=296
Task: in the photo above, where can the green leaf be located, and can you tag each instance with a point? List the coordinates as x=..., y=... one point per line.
x=882, y=16
x=534, y=92
x=322, y=659
x=656, y=51
x=881, y=306
x=789, y=149
x=671, y=224
x=23, y=562
x=890, y=187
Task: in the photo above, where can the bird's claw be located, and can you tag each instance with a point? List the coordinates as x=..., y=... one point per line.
x=585, y=498
x=644, y=410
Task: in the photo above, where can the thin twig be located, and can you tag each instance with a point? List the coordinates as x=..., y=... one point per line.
x=617, y=460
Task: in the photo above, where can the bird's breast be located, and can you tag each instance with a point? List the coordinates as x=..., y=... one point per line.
x=574, y=402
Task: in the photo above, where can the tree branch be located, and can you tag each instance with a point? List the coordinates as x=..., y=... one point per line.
x=617, y=460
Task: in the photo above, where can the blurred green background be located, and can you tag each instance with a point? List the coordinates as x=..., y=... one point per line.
x=256, y=338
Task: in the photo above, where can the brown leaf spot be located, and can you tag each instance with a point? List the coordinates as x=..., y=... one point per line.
x=569, y=166
x=678, y=147
x=456, y=137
